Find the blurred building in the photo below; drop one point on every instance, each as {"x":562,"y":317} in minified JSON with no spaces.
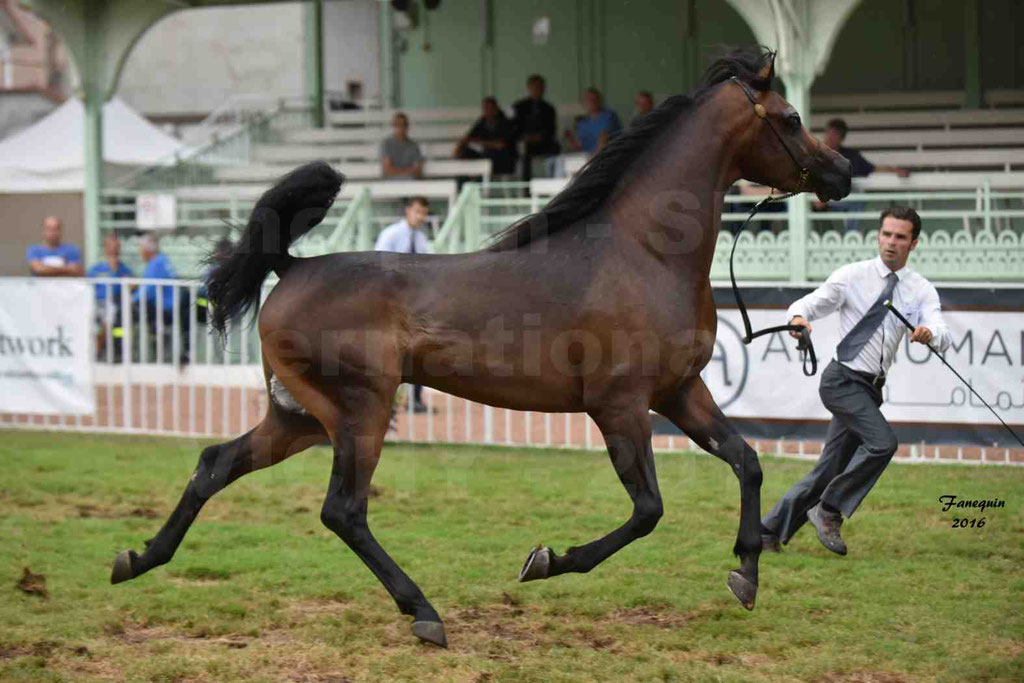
{"x":33,"y":69}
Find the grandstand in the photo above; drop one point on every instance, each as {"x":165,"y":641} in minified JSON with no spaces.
{"x":967,"y":177}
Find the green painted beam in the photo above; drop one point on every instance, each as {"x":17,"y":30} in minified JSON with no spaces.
{"x":314,"y":15}
{"x":972,"y":54}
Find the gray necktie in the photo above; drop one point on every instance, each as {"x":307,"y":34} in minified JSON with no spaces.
{"x":412,"y":242}
{"x":856,"y":338}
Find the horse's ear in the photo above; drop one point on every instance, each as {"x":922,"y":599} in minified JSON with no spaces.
{"x":767,"y":72}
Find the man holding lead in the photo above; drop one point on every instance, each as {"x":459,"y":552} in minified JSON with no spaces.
{"x":860,"y":443}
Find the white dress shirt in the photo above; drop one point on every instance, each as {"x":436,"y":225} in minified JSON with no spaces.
{"x":399,"y":237}
{"x":854,"y":288}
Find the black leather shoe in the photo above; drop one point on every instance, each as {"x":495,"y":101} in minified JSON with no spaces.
{"x":770,"y":543}
{"x":827,"y":524}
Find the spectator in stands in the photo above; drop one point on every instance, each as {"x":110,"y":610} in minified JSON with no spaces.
{"x":643,"y":103}
{"x":491,"y":137}
{"x":835,"y":133}
{"x":53,"y":258}
{"x":535,"y":122}
{"x":400,"y":157}
{"x":407,"y":237}
{"x":108,"y":304}
{"x":158,"y":267}
{"x":596,"y":128}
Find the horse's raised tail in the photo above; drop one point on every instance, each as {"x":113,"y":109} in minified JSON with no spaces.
{"x":285,"y":212}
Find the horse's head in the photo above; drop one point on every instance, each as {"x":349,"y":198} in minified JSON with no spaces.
{"x":776,"y":150}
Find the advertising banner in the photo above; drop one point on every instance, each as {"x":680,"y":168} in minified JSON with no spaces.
{"x":46,"y":346}
{"x":764,"y":380}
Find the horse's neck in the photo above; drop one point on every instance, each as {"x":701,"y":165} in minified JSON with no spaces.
{"x":673,"y":208}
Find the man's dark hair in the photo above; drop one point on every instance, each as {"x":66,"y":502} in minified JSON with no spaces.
{"x":418,"y":199}
{"x":903,"y":213}
{"x":839,"y":125}
{"x":594,"y":91}
{"x":534,"y":77}
{"x":647,"y":94}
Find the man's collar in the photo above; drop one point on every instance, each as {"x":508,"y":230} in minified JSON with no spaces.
{"x":883,"y":270}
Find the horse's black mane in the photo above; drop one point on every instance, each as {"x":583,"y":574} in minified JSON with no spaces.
{"x":594,"y":184}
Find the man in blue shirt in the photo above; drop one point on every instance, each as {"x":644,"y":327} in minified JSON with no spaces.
{"x":110,"y":266}
{"x":158,"y":267}
{"x":596,"y":128}
{"x":52,"y":258}
{"x":107,"y":308}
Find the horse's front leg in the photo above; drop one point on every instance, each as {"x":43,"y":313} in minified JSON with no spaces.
{"x":627,"y":434}
{"x":695,"y":412}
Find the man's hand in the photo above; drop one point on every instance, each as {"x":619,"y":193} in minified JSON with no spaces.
{"x":921,"y":335}
{"x":798,"y":320}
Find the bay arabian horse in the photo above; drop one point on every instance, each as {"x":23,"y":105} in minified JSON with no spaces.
{"x":601,"y":303}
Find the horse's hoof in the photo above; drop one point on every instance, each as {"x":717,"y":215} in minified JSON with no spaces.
{"x":123,"y":564}
{"x":537,"y":565}
{"x":744,"y":589}
{"x":431,"y":632}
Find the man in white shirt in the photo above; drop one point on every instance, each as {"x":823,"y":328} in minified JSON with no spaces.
{"x":407,"y":237}
{"x":860,"y":443}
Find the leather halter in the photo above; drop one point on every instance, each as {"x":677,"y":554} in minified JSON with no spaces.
{"x":805,"y":346}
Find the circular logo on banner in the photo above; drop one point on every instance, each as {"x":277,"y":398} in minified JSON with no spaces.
{"x":726,"y":372}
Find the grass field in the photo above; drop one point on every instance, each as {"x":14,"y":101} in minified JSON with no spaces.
{"x":261,"y":591}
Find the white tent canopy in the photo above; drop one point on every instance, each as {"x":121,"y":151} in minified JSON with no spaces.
{"x":49,"y":156}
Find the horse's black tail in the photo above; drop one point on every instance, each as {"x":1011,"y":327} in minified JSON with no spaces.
{"x":285,"y":212}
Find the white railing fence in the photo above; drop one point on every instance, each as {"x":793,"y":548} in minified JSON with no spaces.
{"x":158,"y":370}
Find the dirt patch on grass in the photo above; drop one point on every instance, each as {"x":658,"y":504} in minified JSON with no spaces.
{"x":863,"y":677}
{"x":329,"y":604}
{"x":92,"y":511}
{"x":652,"y":616}
{"x":198,"y":576}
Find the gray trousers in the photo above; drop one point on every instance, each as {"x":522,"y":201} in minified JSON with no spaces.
{"x":859,"y":445}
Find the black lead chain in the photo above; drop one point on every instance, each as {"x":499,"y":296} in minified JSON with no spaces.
{"x":804,"y":345}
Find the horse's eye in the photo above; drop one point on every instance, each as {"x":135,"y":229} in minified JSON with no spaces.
{"x":793,"y":121}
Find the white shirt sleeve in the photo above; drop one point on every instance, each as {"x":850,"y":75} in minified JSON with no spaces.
{"x":386,"y":240}
{"x":931,"y":317}
{"x":422,"y":243}
{"x":824,"y":300}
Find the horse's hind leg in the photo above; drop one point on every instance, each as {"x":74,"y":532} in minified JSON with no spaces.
{"x":695,"y":412}
{"x":278,"y":436}
{"x":627,"y":434}
{"x":357,"y":436}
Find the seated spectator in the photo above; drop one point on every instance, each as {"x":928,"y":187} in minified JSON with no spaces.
{"x":145,"y":299}
{"x":108,"y":304}
{"x":535,"y":122}
{"x":643,"y":103}
{"x":596,"y":128}
{"x":52,"y":258}
{"x":110,"y":266}
{"x":835,"y":133}
{"x":491,"y":137}
{"x":158,"y":267}
{"x":400,"y":157}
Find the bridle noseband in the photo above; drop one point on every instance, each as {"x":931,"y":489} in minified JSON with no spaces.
{"x":804,"y":345}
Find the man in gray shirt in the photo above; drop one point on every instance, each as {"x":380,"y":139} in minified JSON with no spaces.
{"x":400,"y":157}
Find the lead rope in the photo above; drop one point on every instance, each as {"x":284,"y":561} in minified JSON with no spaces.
{"x":804,"y":345}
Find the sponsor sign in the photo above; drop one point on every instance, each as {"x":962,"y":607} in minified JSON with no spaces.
{"x":46,"y":346}
{"x":765,"y":380}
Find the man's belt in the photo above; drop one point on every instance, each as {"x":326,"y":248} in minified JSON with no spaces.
{"x":877,"y":381}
